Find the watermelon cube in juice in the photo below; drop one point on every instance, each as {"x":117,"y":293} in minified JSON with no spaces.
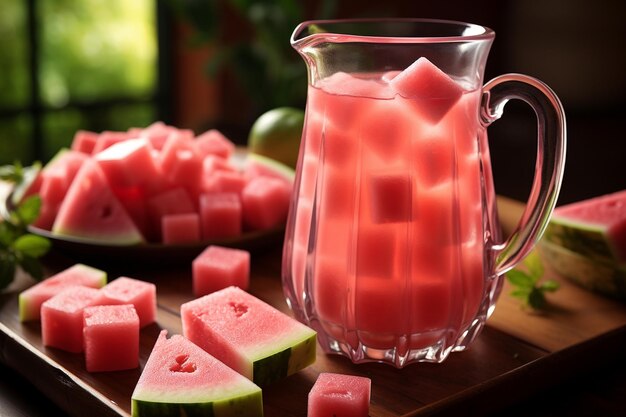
{"x":125,"y":290}
{"x":219,"y":267}
{"x":250,"y":336}
{"x":111,"y":334}
{"x":31,"y":299}
{"x":62,"y":318}
{"x":339,"y":395}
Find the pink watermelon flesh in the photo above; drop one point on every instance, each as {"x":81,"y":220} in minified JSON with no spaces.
{"x":220,"y":215}
{"x":180,"y":228}
{"x":339,"y":395}
{"x":218,"y":267}
{"x":141,"y":294}
{"x":62,"y":318}
{"x":111,"y":335}
{"x":84,"y":141}
{"x":30,"y":300}
{"x":607,"y":212}
{"x":179,"y":378}
{"x":174,"y":201}
{"x":265,"y":202}
{"x":213,"y":142}
{"x":129,"y":163}
{"x":91,"y":211}
{"x":435,"y":91}
{"x":250,"y":336}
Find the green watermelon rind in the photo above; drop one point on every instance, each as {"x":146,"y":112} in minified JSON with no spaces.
{"x":586,"y":239}
{"x":24,"y":305}
{"x":596,"y":275}
{"x":250,"y":404}
{"x":281,"y":362}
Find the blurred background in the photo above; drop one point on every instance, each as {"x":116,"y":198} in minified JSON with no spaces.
{"x":111,"y":65}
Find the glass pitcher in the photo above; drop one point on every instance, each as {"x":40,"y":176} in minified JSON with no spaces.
{"x":393,"y":250}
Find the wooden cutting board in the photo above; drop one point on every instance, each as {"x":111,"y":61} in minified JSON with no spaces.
{"x":517,"y":347}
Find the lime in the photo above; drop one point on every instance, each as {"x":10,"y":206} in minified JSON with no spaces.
{"x":276,"y":134}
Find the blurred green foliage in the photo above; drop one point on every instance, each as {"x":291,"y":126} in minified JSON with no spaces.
{"x":89,"y":51}
{"x":259,"y":52}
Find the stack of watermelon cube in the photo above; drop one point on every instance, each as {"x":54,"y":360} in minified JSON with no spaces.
{"x":149,"y":184}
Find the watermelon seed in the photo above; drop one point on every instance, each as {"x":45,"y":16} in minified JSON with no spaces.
{"x":239,"y":308}
{"x":106,"y":212}
{"x":182,"y":365}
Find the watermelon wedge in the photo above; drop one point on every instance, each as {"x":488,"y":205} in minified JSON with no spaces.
{"x":594,"y":228}
{"x":250,"y":336}
{"x":180,"y":379}
{"x":91,"y":211}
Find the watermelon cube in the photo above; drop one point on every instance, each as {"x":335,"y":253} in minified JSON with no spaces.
{"x":111,"y":335}
{"x":157,"y":133}
{"x":141,"y":294}
{"x":108,"y":138}
{"x":218,"y":267}
{"x":339,"y":395}
{"x":31,"y":299}
{"x":265,"y":202}
{"x":432,"y":89}
{"x":174,"y":201}
{"x":226,"y":181}
{"x":181,"y":164}
{"x":213,"y":142}
{"x":180,"y":379}
{"x":220,"y":215}
{"x":250,"y":336}
{"x":62,"y":317}
{"x":84,"y":141}
{"x":129,"y":163}
{"x":180,"y":228}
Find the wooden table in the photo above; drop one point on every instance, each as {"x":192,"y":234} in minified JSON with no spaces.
{"x":519,"y":354}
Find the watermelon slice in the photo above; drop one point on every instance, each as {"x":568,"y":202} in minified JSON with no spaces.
{"x":248,"y":335}
{"x":180,"y":379}
{"x":90,"y":210}
{"x":596,"y":275}
{"x":31,"y":299}
{"x":595,"y":228}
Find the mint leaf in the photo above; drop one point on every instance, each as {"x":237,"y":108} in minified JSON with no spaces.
{"x":534,"y":265}
{"x":520,"y":279}
{"x":7,"y":269}
{"x":536,"y":299}
{"x":32,"y":267}
{"x":527,"y":287}
{"x":32,"y":245}
{"x":28,"y":210}
{"x":549,"y":286}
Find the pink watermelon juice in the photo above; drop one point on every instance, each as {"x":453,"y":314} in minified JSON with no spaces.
{"x":390,"y":199}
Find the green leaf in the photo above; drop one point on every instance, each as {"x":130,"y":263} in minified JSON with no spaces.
{"x":534,"y":265}
{"x":32,"y":267}
{"x":32,"y":245}
{"x":7,"y":269}
{"x":520,"y":279}
{"x":8,"y":233}
{"x":549,"y":285}
{"x":28,"y":210}
{"x":12,"y":173}
{"x":536,"y":299}
{"x":521,"y":293}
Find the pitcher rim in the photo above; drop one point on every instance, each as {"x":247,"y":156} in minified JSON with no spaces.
{"x":485,"y":33}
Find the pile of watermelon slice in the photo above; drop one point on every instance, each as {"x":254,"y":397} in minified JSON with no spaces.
{"x":123,"y":188}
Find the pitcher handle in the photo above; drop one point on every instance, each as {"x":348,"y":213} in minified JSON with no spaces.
{"x":549,"y":166}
